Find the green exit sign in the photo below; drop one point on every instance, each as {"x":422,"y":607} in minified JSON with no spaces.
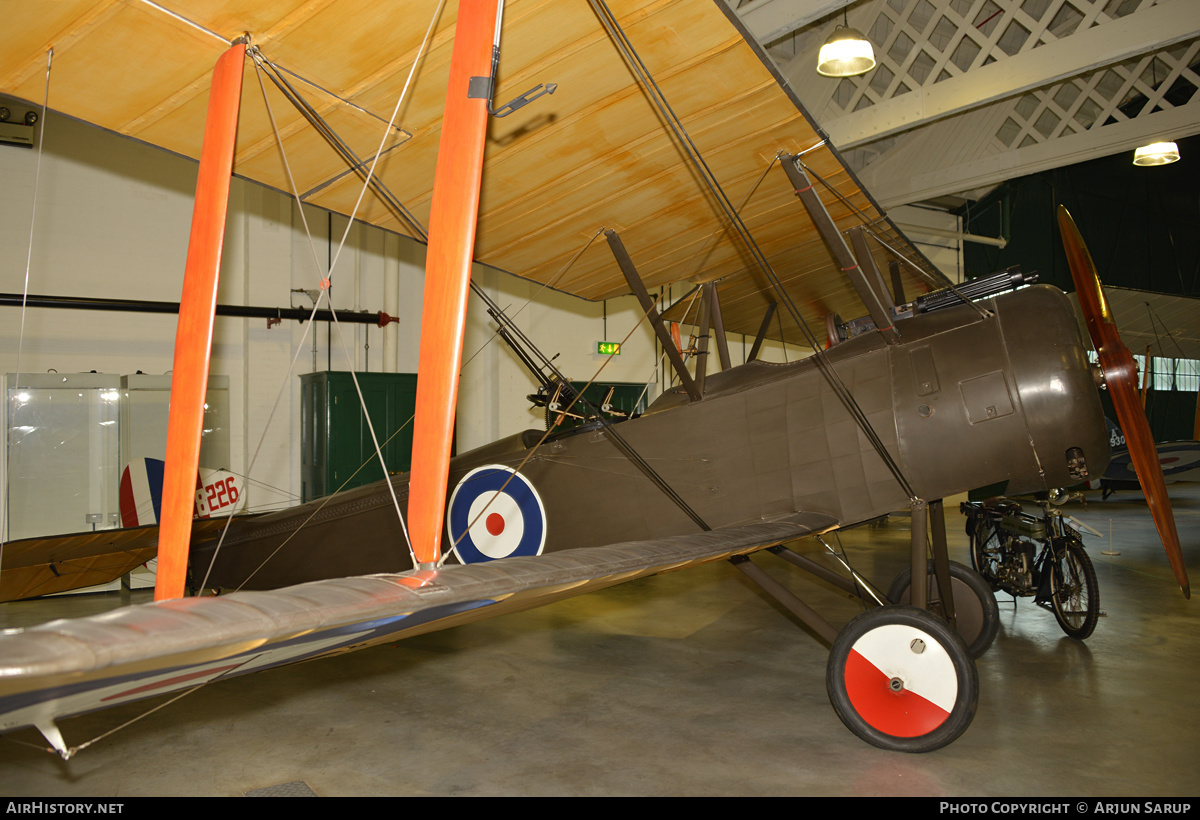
{"x":608,"y":348}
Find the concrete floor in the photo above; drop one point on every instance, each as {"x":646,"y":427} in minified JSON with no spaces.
{"x":691,"y":683}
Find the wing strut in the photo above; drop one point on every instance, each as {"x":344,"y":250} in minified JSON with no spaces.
{"x":718,"y":324}
{"x":762,"y":331}
{"x":824,"y":224}
{"x":644,"y":299}
{"x":193,"y":334}
{"x":452,"y":221}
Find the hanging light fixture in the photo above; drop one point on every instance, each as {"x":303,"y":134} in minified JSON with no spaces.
{"x":1159,"y":153}
{"x":847,"y":53}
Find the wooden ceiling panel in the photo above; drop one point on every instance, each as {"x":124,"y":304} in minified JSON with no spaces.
{"x":594,"y":154}
{"x":32,"y":28}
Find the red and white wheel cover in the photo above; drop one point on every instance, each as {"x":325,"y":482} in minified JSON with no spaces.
{"x":930,"y":682}
{"x":495,"y":512}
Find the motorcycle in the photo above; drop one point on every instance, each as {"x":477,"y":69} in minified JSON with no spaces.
{"x":1005,"y":543}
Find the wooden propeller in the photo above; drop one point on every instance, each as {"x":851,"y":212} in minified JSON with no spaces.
{"x":1120,"y":375}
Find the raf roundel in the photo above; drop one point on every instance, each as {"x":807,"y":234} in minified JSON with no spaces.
{"x":495,"y":512}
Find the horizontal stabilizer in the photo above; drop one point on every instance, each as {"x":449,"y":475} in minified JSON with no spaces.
{"x":61,"y":563}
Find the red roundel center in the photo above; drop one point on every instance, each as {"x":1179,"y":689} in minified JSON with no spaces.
{"x":495,"y":523}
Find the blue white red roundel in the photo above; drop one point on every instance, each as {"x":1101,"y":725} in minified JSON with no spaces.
{"x":495,"y":512}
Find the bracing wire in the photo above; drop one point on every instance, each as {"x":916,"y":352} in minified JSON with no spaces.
{"x":609,"y":428}
{"x":676,"y":127}
{"x":324,"y":291}
{"x":307,"y":326}
{"x":935,"y":279}
{"x":37,"y":178}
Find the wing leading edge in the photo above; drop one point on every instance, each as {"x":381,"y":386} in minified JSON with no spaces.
{"x":70,"y":667}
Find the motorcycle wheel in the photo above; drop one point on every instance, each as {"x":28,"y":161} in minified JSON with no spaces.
{"x":1075,"y":593}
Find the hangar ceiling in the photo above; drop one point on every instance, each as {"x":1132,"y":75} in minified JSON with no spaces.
{"x":969,"y":93}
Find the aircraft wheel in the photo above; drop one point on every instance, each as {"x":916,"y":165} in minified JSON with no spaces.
{"x":901,"y":679}
{"x":977,"y":615}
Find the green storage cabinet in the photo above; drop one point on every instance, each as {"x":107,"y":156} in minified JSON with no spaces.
{"x":334,"y":435}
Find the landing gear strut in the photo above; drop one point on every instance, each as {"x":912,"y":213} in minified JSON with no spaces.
{"x":901,"y":676}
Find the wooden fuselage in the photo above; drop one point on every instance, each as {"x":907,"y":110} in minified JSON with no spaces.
{"x":963,"y":401}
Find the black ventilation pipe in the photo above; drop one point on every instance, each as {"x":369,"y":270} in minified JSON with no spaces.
{"x":134,"y":306}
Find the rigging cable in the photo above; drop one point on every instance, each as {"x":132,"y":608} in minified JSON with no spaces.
{"x":37,"y":178}
{"x":324,"y":292}
{"x":304,"y":336}
{"x":617,"y":439}
{"x":341,"y":147}
{"x":676,"y":127}
{"x":938,"y":281}
{"x":548,"y":283}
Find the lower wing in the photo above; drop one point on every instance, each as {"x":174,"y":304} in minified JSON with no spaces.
{"x":69,"y":667}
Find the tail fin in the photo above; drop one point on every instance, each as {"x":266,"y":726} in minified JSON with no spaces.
{"x":218,"y":492}
{"x":141,"y":492}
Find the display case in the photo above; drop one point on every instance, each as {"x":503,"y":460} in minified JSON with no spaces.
{"x":63,"y":455}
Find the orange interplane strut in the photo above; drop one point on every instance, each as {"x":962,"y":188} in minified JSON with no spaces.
{"x":452,"y":219}
{"x":193,"y":335}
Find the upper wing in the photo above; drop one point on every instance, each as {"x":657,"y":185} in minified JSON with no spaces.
{"x":67,"y":667}
{"x":596,"y":154}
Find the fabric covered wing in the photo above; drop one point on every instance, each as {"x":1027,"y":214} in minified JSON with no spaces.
{"x":593,"y":155}
{"x":61,"y":563}
{"x":68,"y":667}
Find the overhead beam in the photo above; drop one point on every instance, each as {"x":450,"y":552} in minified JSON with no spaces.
{"x":896,"y":180}
{"x":960,"y":236}
{"x":771,"y":20}
{"x":1147,"y":30}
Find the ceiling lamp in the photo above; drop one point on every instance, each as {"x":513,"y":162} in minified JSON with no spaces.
{"x":1160,"y":153}
{"x":847,"y":53}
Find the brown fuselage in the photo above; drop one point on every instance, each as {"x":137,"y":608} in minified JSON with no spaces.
{"x":968,"y":398}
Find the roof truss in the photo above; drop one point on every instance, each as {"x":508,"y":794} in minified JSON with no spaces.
{"x":996,"y":88}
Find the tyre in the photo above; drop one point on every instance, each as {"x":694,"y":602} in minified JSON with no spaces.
{"x":977,"y":615}
{"x":1074,"y":592}
{"x":901,"y":679}
{"x":986,"y":552}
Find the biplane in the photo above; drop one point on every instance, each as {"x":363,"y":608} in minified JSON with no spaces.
{"x":643,"y":122}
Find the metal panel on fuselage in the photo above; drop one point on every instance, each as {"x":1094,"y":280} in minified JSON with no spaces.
{"x":1014,"y":392}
